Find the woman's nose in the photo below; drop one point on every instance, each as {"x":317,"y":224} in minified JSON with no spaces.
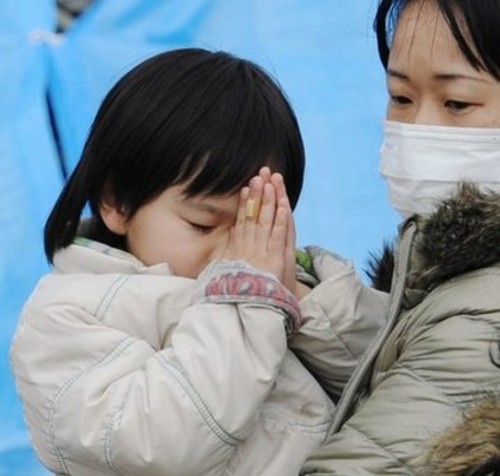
{"x":427,"y":113}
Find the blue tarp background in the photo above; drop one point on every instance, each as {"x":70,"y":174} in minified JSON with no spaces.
{"x":323,"y":53}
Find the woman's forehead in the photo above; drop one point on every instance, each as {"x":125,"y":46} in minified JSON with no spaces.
{"x":423,"y":35}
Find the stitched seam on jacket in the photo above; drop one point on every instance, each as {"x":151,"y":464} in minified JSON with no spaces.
{"x":178,"y":375}
{"x":335,"y":334}
{"x":265,"y":302}
{"x":303,"y":427}
{"x":427,"y":382}
{"x":103,"y":306}
{"x":480,"y":317}
{"x":107,"y":439}
{"x":404,"y":465}
{"x":472,"y":391}
{"x":348,"y":351}
{"x":124,"y":344}
{"x":373,"y":350}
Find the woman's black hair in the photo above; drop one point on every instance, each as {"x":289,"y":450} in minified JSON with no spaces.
{"x":478,"y":20}
{"x":206,"y":119}
{"x":490,"y":468}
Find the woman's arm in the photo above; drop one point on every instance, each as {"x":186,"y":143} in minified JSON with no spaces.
{"x":422,"y":382}
{"x":340,"y":317}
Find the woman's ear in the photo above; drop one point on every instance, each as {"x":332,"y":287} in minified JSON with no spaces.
{"x":114,"y":217}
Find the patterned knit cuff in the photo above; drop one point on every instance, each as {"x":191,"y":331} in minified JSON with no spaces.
{"x":237,"y":282}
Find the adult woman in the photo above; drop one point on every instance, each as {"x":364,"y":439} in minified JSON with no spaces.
{"x":439,"y":351}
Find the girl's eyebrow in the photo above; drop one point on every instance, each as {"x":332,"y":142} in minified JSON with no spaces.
{"x":204,"y":205}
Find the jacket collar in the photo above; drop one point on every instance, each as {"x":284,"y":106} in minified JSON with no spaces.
{"x":88,"y":256}
{"x":463,"y":234}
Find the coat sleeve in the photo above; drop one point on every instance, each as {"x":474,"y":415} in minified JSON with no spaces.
{"x":99,"y":400}
{"x":423,"y":380}
{"x":340,"y":318}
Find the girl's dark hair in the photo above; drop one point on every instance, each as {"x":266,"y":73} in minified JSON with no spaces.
{"x":478,"y":20}
{"x":189,"y":116}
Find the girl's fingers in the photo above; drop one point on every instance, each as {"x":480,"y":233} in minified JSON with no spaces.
{"x":265,"y":173}
{"x":277,"y":240}
{"x":263,"y":234}
{"x":266,"y":216}
{"x":254,"y":198}
{"x":289,"y":274}
{"x":291,"y":236}
{"x":279,"y":184}
{"x":238,"y":228}
{"x":242,"y":206}
{"x":282,"y":197}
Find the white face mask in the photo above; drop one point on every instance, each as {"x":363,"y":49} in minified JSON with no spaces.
{"x":423,"y":164}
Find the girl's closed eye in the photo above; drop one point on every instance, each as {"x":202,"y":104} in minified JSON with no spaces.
{"x":200,"y":228}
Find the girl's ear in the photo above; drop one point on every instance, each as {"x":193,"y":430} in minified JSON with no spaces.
{"x":113,"y":217}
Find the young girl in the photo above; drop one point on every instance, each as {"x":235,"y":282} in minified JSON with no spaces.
{"x":158,"y":345}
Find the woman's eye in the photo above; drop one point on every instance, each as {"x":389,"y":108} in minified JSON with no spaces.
{"x":457,"y":106}
{"x":204,"y":229}
{"x":400,"y":100}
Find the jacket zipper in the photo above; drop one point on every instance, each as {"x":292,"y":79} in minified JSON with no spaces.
{"x":396,"y":298}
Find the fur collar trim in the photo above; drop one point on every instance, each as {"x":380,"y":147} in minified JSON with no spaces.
{"x":470,"y":448}
{"x":463,"y":234}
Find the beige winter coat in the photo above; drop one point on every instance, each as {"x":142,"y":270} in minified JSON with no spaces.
{"x":128,"y":370}
{"x":439,"y":353}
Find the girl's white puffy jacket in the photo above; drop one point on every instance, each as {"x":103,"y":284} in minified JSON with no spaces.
{"x":125,"y":369}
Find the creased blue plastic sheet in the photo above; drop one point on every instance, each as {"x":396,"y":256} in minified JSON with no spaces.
{"x":29,"y":180}
{"x":322,"y":52}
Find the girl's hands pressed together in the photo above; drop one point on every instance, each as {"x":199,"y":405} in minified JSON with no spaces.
{"x":289,"y":270}
{"x":264,"y":227}
{"x":300,"y":290}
